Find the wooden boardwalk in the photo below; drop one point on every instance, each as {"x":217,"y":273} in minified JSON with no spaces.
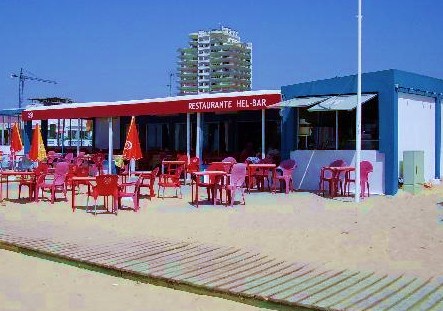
{"x":237,"y":274}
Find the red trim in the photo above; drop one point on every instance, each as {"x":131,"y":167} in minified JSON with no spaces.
{"x":218,"y":104}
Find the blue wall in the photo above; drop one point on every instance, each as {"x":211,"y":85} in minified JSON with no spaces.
{"x":386,"y":84}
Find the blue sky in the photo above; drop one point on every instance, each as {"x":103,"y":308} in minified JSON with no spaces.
{"x":120,"y":50}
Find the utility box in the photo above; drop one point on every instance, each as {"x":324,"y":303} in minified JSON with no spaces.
{"x":413,"y":171}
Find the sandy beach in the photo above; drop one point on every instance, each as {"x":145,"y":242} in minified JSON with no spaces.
{"x":383,"y":234}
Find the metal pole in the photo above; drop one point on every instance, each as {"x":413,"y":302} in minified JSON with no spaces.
{"x":263,"y":152}
{"x":188,"y":135}
{"x":336,"y":129}
{"x":21,"y":84}
{"x":78,"y":136}
{"x":358,"y":117}
{"x":3,"y":130}
{"x":111,"y":148}
{"x":63,"y":135}
{"x":197,"y":140}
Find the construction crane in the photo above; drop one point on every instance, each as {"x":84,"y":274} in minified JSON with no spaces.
{"x":21,"y":84}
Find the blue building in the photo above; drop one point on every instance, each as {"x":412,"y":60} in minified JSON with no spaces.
{"x":400,"y":111}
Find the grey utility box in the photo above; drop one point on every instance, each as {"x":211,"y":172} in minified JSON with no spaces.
{"x":413,"y":171}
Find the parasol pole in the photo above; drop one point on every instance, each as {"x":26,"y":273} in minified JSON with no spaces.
{"x":358,"y":113}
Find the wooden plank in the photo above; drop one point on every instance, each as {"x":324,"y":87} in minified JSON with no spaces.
{"x":224,"y":272}
{"x":142,"y":264}
{"x":105,"y":250}
{"x":41,"y":244}
{"x":273,"y":285}
{"x":400,"y":295}
{"x":214,"y":269}
{"x":159,"y":265}
{"x":184,"y":261}
{"x":192,"y":263}
{"x":123,"y":252}
{"x":306,"y":284}
{"x":249,"y":284}
{"x":347,"y":292}
{"x":249,"y":274}
{"x":303,"y":294}
{"x":430,"y":301}
{"x":412,"y":302}
{"x":314,"y":298}
{"x":226,"y":261}
{"x":240,"y":273}
{"x":201,"y":263}
{"x":96,"y":249}
{"x":295,"y":280}
{"x":142,"y":252}
{"x":367,"y":292}
{"x":375,"y":298}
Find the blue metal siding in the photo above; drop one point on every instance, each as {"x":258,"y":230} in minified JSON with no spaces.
{"x":384,"y":84}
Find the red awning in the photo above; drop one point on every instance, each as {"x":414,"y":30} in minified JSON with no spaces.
{"x":222,"y":102}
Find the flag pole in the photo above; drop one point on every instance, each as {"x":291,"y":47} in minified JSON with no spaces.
{"x":358,"y":116}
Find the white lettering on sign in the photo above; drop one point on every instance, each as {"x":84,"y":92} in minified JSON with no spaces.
{"x":243,"y":103}
{"x":223,"y":104}
{"x":254,"y":102}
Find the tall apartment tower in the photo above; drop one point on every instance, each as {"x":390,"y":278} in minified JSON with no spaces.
{"x":215,"y":61}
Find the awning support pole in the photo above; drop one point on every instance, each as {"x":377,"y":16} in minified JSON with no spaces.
{"x":63,"y":136}
{"x":188,"y":139}
{"x":197,"y":140}
{"x":358,"y":116}
{"x":78,"y":136}
{"x":188,"y":135}
{"x":263,"y":152}
{"x":110,"y":143}
{"x":336,"y":129}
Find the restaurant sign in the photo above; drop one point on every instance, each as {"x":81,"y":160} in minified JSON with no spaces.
{"x":180,"y":104}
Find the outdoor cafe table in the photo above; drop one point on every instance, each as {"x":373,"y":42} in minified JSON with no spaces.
{"x":336,"y":172}
{"x":4,"y":177}
{"x":261,"y":167}
{"x":75,"y":180}
{"x":198,"y":175}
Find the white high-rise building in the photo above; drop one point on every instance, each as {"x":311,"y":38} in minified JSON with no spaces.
{"x":215,"y":61}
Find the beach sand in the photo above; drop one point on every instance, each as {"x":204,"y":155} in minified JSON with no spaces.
{"x":383,"y":234}
{"x":34,"y":284}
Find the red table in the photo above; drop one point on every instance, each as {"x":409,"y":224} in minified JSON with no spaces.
{"x":261,"y":167}
{"x":6,"y":174}
{"x":336,"y":172}
{"x":197,"y":182}
{"x":75,"y":181}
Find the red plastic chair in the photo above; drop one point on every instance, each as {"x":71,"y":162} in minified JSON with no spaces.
{"x":42,"y":168}
{"x":82,"y":171}
{"x":80,"y":159}
{"x":170,"y":181}
{"x":58,"y":183}
{"x":51,"y":158}
{"x":194,"y":165}
{"x":148,"y":181}
{"x":328,"y":176}
{"x":213,"y":183}
{"x":365,"y":168}
{"x":287,"y":167}
{"x":134,"y":195}
{"x":236,"y":182}
{"x":124,"y":173}
{"x":106,"y":186}
{"x":98,"y":159}
{"x":69,"y":157}
{"x":184,"y":157}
